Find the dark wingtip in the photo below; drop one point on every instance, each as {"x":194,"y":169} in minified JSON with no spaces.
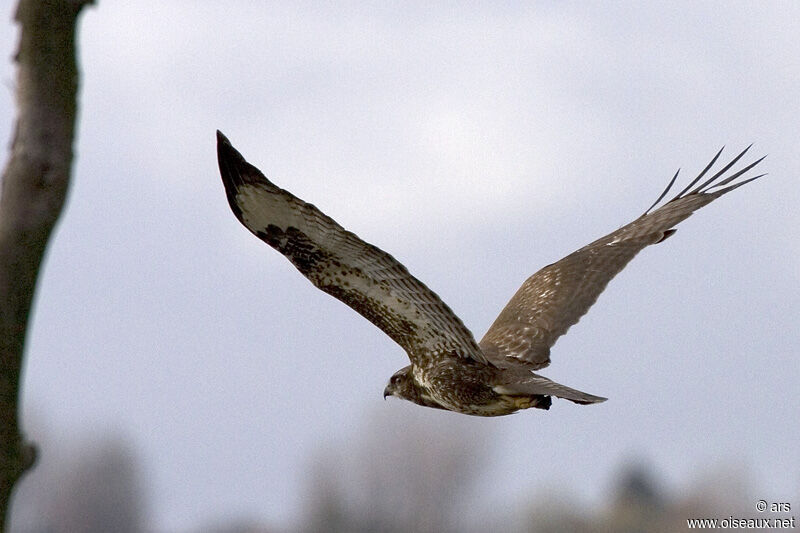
{"x":226,"y":152}
{"x":663,"y":194}
{"x":700,"y":176}
{"x":231,"y":165}
{"x":235,"y":170}
{"x":711,"y":183}
{"x":222,"y":141}
{"x":737,"y":185}
{"x":702,"y":188}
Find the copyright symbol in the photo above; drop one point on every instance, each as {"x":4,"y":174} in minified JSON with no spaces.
{"x":761,"y":505}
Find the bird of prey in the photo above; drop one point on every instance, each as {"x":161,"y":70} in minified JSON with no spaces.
{"x":449,"y":369}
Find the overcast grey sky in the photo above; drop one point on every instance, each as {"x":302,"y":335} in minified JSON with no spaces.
{"x":476,"y":142}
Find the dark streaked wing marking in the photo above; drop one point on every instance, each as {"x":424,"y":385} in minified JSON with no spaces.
{"x":558,"y":295}
{"x":335,"y":260}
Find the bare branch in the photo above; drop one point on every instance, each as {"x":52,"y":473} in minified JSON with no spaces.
{"x":34,"y":187}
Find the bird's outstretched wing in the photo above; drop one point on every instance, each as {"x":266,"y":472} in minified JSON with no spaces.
{"x":367,"y":279}
{"x":557,"y":296}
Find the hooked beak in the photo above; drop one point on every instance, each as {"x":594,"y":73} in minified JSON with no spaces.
{"x":386,"y":392}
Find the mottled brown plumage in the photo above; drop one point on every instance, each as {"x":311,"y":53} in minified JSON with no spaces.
{"x":448,"y":369}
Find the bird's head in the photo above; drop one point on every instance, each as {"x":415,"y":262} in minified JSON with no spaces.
{"x":402,"y":385}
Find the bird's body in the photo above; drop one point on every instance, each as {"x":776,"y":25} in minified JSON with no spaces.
{"x":449,"y":369}
{"x":477,"y":389}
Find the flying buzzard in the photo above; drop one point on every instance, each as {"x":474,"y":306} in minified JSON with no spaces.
{"x":448,"y":369}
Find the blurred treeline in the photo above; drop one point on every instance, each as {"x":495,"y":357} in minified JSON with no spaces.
{"x":424,"y":477}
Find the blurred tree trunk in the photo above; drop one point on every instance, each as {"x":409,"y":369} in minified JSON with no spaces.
{"x":34,"y":187}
